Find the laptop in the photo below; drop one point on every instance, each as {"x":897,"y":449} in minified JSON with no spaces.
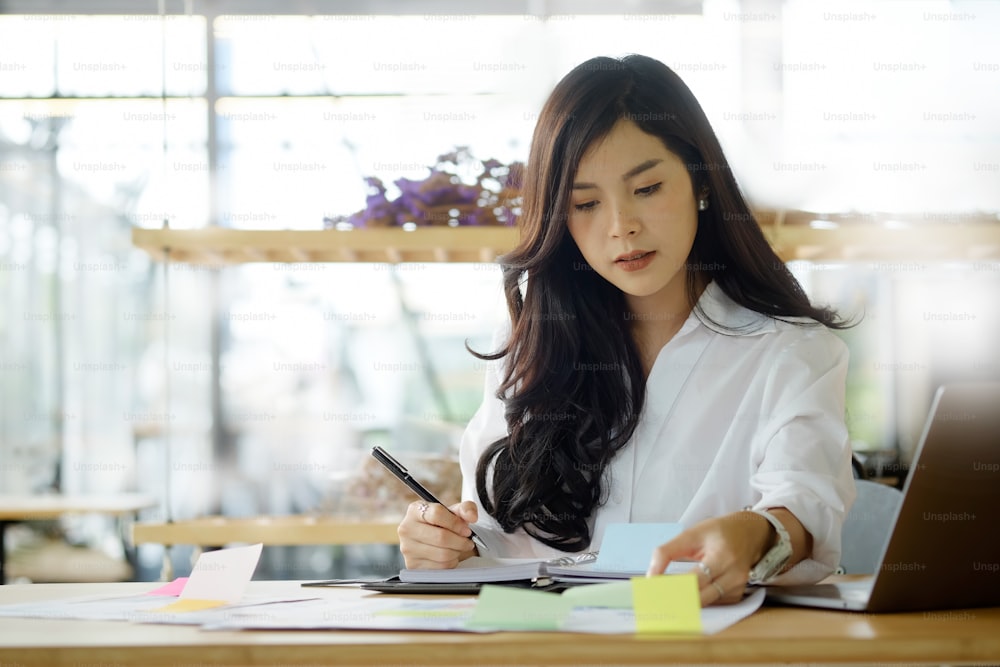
{"x":944,"y":548}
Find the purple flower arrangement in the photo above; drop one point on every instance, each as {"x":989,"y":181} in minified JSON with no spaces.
{"x":487,"y":195}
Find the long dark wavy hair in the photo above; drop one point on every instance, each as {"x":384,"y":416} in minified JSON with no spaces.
{"x":573,"y":385}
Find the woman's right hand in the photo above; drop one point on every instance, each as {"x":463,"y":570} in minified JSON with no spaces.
{"x":432,"y":538}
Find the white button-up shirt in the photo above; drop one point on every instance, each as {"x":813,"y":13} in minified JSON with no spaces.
{"x":749,"y":413}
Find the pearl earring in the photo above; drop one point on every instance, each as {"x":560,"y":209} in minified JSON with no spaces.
{"x":702,"y":204}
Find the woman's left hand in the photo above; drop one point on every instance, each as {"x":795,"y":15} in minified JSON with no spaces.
{"x":725,"y":549}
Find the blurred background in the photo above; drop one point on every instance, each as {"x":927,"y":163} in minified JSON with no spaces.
{"x":257,"y":389}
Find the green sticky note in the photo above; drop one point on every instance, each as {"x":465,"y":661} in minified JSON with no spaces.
{"x":667,"y":603}
{"x":613,"y":595}
{"x":505,"y":608}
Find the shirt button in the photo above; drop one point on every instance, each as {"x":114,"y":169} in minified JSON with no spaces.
{"x":617,"y":497}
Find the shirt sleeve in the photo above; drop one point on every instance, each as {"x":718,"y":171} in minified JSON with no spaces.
{"x":487,"y":426}
{"x":803,"y":454}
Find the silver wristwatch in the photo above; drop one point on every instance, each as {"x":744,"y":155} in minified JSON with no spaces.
{"x":774,"y":561}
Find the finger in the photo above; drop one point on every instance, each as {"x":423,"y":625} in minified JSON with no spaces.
{"x":726,"y":589}
{"x":424,"y":564}
{"x":728,"y":580}
{"x":419,"y":528}
{"x":719,"y":577}
{"x":713,"y":593}
{"x":420,"y":556}
{"x":433,"y":559}
{"x":425,"y":546}
{"x":439,"y":515}
{"x":467,"y":510}
{"x":686,"y":546}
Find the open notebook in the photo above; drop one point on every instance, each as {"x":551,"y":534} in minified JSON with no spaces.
{"x":581,"y":568}
{"x":625,"y":552}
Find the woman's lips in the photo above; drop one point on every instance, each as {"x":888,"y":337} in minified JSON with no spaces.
{"x":634,"y":261}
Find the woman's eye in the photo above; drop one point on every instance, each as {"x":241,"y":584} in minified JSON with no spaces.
{"x":648,"y":190}
{"x":586,"y":206}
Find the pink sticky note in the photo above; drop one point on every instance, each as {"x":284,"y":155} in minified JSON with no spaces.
{"x":173,"y":588}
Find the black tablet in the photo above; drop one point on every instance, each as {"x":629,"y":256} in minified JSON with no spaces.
{"x":397,"y":586}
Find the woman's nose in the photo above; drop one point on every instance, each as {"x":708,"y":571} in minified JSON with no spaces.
{"x":624,"y":222}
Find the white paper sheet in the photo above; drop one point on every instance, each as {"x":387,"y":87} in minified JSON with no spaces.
{"x":413,"y":614}
{"x":134,"y":608}
{"x":223,"y":574}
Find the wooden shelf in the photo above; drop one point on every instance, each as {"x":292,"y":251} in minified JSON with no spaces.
{"x":293,"y":530}
{"x":794,"y":236}
{"x":53,"y":506}
{"x":883,"y":237}
{"x":216,"y":246}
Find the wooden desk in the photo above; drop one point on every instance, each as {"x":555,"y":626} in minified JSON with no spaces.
{"x":280,"y":530}
{"x":772,"y":635}
{"x":14,"y":508}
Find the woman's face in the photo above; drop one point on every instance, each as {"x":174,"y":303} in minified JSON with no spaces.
{"x":633,"y":215}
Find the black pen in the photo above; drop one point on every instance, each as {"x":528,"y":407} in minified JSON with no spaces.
{"x":397,"y":469}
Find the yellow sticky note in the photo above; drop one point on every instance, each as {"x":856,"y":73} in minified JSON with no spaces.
{"x":189,"y":604}
{"x":667,"y":603}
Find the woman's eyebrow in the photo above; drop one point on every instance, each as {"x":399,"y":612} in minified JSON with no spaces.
{"x":631,"y":173}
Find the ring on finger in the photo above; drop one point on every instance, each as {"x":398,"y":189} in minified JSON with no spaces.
{"x":706,"y":569}
{"x":423,"y":507}
{"x":722,"y":591}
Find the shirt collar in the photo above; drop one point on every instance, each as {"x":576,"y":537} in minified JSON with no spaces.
{"x":723,"y":315}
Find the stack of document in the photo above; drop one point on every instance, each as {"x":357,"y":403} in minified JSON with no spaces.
{"x":214,"y":597}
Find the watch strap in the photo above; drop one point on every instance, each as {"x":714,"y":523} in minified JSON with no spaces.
{"x":771,"y":564}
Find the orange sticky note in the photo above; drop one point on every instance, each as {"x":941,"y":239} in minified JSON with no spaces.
{"x":190,"y":604}
{"x":667,"y":603}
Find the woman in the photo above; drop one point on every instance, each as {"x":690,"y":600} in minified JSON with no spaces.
{"x":661,"y":364}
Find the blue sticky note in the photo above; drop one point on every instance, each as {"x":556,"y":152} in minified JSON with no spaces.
{"x":628,"y":547}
